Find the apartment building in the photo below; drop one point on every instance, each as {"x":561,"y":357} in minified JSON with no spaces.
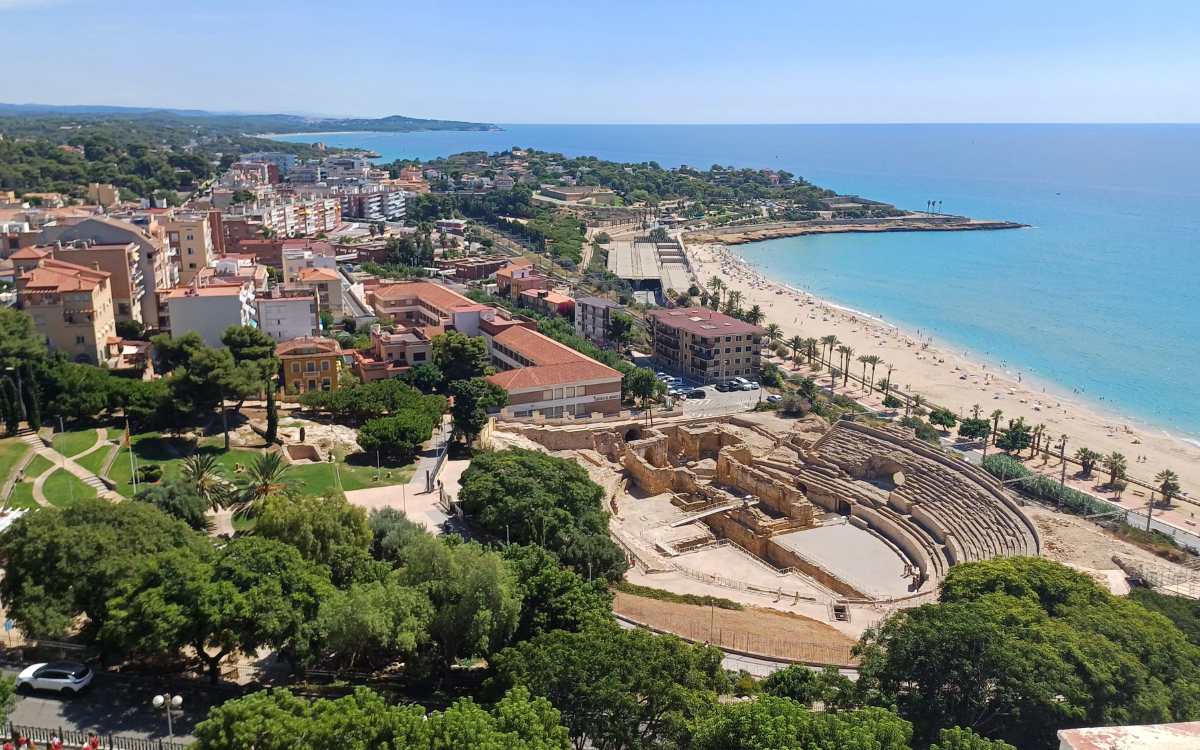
{"x":511,"y":281}
{"x":189,"y":235}
{"x":234,"y":270}
{"x":119,"y":261}
{"x":312,"y":255}
{"x":393,"y":350}
{"x":419,"y":303}
{"x":310,"y":364}
{"x":289,"y":216}
{"x":154,"y":254}
{"x":285,"y":162}
{"x":547,"y":302}
{"x":71,"y":305}
{"x":326,"y":284}
{"x":545,"y":377}
{"x":706,"y":345}
{"x":592,"y":315}
{"x":373,"y":202}
{"x":469,"y":269}
{"x":207,"y":311}
{"x":285,"y":313}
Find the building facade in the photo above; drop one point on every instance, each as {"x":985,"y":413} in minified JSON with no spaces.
{"x":545,"y":377}
{"x":706,"y":345}
{"x":416,"y":303}
{"x":189,"y":236}
{"x":592,"y":315}
{"x":394,"y":350}
{"x":208,"y":311}
{"x":285,"y":314}
{"x":310,"y":364}
{"x":71,"y":306}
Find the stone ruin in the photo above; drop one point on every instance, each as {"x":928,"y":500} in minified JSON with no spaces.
{"x":932,"y":510}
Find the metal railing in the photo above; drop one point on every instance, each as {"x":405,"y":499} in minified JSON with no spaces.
{"x":73,"y":739}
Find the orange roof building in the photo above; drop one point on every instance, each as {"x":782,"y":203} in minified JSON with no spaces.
{"x":71,"y":305}
{"x":546,"y":378}
{"x":416,"y":303}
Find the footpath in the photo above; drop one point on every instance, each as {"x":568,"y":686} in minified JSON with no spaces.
{"x":60,"y":461}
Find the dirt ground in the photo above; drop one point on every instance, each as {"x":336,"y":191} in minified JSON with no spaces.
{"x":1072,"y":540}
{"x":696,"y":622}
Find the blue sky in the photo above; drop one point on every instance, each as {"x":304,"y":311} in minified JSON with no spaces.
{"x":616,"y":61}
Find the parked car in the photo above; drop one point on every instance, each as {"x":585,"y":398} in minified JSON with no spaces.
{"x":697,"y":393}
{"x":751,"y":386}
{"x":724,"y":387}
{"x":64,"y":677}
{"x":774,"y":398}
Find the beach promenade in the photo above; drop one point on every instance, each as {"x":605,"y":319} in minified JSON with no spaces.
{"x":958,"y":382}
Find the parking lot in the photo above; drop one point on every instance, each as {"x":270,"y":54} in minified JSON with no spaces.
{"x":716,"y":403}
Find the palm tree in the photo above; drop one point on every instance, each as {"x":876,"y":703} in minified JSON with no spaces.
{"x":829,"y":341}
{"x":1168,"y":486}
{"x":887,"y":387}
{"x":811,"y":348}
{"x":266,"y":477}
{"x":1115,"y":464}
{"x":795,"y":343}
{"x":873,"y":360}
{"x":1087,"y":459}
{"x":1037,"y":439}
{"x":865,"y":360}
{"x":995,"y":423}
{"x":915,"y":401}
{"x":754,"y":315}
{"x":733,"y":300}
{"x":774,"y":331}
{"x":207,"y":477}
{"x":847,"y":353}
{"x":1062,"y":457}
{"x":975,"y":411}
{"x":716,"y":285}
{"x":939,"y":207}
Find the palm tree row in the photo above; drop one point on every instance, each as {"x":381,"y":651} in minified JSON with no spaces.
{"x":265,"y":477}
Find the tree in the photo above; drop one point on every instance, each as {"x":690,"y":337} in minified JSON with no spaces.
{"x":176,"y":352}
{"x":70,"y":390}
{"x":315,"y":526}
{"x":249,"y":344}
{"x":376,"y":622}
{"x":472,"y":399}
{"x":645,"y":386}
{"x":754,"y":315}
{"x":177,"y":499}
{"x":943,"y":418}
{"x":553,"y":597}
{"x":1087,"y":459}
{"x":398,"y":436}
{"x":1168,"y":485}
{"x":272,"y":432}
{"x":32,"y":402}
{"x":476,"y":601}
{"x":1115,"y":464}
{"x":531,"y":497}
{"x":996,"y":415}
{"x":248,"y":594}
{"x":771,"y":722}
{"x":619,"y":329}
{"x":1016,"y":437}
{"x":973,"y":428}
{"x":965,"y":739}
{"x":460,"y":357}
{"x":425,"y":378}
{"x":774,"y":331}
{"x":12,"y":407}
{"x":265,"y":477}
{"x":20,"y":343}
{"x":206,"y":478}
{"x":63,"y":565}
{"x":716,"y":285}
{"x":617,"y":689}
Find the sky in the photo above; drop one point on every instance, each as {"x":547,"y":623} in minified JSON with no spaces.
{"x":615,"y":61}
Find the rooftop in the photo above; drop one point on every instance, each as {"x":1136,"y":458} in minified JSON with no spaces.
{"x":318,"y":274}
{"x":61,"y":276}
{"x":439,"y":296}
{"x":544,"y":375}
{"x":207,"y":291}
{"x":598,"y":302}
{"x":1185,"y":736}
{"x":703,"y":321}
{"x":307,"y":346}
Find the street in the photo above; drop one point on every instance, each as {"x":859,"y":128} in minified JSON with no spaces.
{"x":116,"y":704}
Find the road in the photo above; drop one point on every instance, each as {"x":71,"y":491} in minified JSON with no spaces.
{"x":115,"y":704}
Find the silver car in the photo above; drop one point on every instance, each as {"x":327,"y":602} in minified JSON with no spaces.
{"x":63,"y":677}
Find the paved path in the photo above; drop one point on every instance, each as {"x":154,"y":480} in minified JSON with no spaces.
{"x":61,"y":462}
{"x":101,"y":442}
{"x":433,"y":449}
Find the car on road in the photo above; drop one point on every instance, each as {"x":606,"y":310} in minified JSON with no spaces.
{"x":774,"y":398}
{"x":697,"y":393}
{"x":64,"y":677}
{"x":724,"y":387}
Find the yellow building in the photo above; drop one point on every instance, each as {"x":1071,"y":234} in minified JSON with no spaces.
{"x":190,"y":236}
{"x":72,"y":306}
{"x":309,"y":364}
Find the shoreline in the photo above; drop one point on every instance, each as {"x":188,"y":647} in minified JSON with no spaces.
{"x":778,"y":230}
{"x":935,"y":370}
{"x":380,"y":132}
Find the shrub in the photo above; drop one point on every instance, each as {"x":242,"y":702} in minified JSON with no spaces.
{"x":149,"y":473}
{"x":892,"y":402}
{"x":397,"y":436}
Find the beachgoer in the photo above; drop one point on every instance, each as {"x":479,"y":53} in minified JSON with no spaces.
{"x":8,"y":745}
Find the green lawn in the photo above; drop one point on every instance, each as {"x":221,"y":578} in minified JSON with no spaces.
{"x":62,"y":487}
{"x":22,"y":496}
{"x":74,"y":442}
{"x":12,"y":450}
{"x":37,"y":467}
{"x":355,"y":473}
{"x":94,"y":461}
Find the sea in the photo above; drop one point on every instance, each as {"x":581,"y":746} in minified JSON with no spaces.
{"x":1098,"y":300}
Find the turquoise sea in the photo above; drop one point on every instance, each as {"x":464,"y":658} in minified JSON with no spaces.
{"x":1100,"y":296}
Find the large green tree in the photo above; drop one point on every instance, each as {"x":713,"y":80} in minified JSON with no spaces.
{"x":460,"y":357}
{"x":376,"y":623}
{"x":771,"y":722}
{"x":399,"y":435}
{"x":315,"y":526}
{"x":532,"y":497}
{"x":553,"y":597}
{"x":20,"y":343}
{"x":472,"y":399}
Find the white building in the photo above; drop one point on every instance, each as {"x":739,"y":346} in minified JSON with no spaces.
{"x":285,"y":162}
{"x":296,"y":260}
{"x":285,"y":314}
{"x":210,"y":310}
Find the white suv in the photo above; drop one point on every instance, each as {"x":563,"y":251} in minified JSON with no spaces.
{"x":64,"y":677}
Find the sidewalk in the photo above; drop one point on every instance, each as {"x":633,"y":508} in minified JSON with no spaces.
{"x":61,"y":462}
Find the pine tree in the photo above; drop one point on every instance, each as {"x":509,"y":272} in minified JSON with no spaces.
{"x":33,"y":398}
{"x":272,"y":412}
{"x":12,"y":410}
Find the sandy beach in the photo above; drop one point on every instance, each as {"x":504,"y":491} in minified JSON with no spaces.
{"x":929,"y":368}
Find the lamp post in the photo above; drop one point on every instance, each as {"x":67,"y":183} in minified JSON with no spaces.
{"x":168,"y":701}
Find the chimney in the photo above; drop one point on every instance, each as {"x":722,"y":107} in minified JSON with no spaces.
{"x":96,"y":265}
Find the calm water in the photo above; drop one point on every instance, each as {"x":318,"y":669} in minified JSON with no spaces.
{"x":1103,"y":294}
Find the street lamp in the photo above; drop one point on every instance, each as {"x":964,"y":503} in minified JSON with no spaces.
{"x":168,"y":701}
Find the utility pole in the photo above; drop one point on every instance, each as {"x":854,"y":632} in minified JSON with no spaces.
{"x":63,"y":442}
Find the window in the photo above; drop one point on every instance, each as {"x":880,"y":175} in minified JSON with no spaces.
{"x":80,"y":340}
{"x":728,"y":339}
{"x":190,"y":237}
{"x":738,"y":349}
{"x":191,"y":251}
{"x":558,"y":393}
{"x":570,"y":392}
{"x":310,"y":366}
{"x":739,"y":338}
{"x":325,"y":384}
{"x":727,"y":350}
{"x":547,"y":395}
{"x":191,"y":265}
{"x":737,"y":361}
{"x":581,"y":390}
{"x":726,"y":361}
{"x":418,"y":356}
{"x":295,"y":367}
{"x":325,"y":365}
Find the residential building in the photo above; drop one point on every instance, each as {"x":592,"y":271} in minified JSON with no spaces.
{"x":545,"y":377}
{"x":312,"y":255}
{"x":154,"y":254}
{"x":452,"y":226}
{"x":189,"y":235}
{"x":288,"y":216}
{"x":326,"y":284}
{"x":416,"y":303}
{"x":285,"y":313}
{"x":511,"y":281}
{"x":103,"y":195}
{"x":266,"y":252}
{"x":309,"y":364}
{"x":119,"y":261}
{"x":503,"y":182}
{"x":285,"y":162}
{"x":470,"y":268}
{"x":71,"y":306}
{"x":207,"y":311}
{"x":374,"y":203}
{"x":705,"y":345}
{"x":546,"y":301}
{"x":15,"y":235}
{"x":233,"y":270}
{"x":591,"y":318}
{"x":394,"y":349}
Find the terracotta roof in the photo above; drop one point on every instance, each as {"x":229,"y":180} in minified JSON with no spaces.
{"x":542,"y":350}
{"x":30,"y":253}
{"x":551,"y":298}
{"x":435,"y":294}
{"x":292,"y":347}
{"x":206,"y":291}
{"x":62,"y":276}
{"x":535,"y":377}
{"x":318,"y":274}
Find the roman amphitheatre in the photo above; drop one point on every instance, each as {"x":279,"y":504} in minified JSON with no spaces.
{"x":835,"y":526}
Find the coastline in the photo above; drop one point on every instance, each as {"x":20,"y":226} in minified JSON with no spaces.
{"x":935,"y":369}
{"x":776,"y":230}
{"x":383,"y":132}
